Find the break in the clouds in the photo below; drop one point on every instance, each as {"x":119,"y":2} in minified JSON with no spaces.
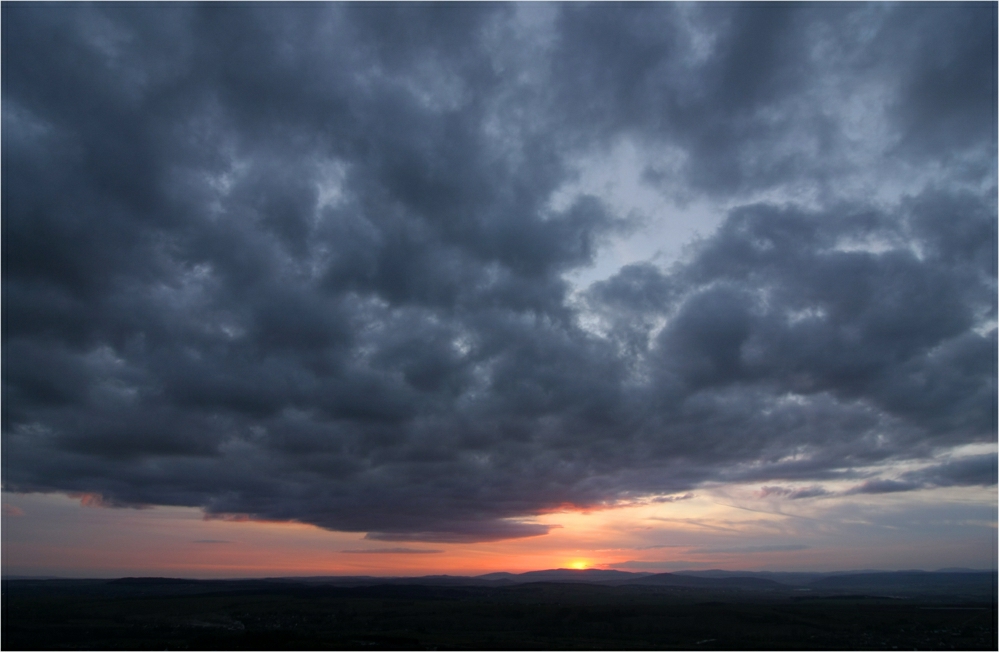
{"x":315,"y":262}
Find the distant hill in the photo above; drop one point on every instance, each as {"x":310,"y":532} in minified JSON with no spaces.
{"x":565,"y":575}
{"x":866,"y":582}
{"x":151,"y":581}
{"x":790,"y":579}
{"x":425,"y":580}
{"x":951,"y":581}
{"x":960,"y":569}
{"x":907,"y":581}
{"x":856,"y":578}
{"x":964,"y":581}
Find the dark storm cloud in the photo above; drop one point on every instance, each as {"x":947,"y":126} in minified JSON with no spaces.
{"x":948,"y":91}
{"x":303,"y":262}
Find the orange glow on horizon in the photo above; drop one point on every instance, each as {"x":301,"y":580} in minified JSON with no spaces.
{"x":81,"y":536}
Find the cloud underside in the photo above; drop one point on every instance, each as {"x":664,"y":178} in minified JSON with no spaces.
{"x":307,"y":263}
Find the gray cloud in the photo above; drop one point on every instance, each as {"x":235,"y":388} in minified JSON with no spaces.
{"x":751,"y":549}
{"x":393,"y":551}
{"x":672,"y":499}
{"x":975,"y":470}
{"x":303,"y":262}
{"x":469,"y":531}
{"x":882,"y":486}
{"x":793,"y":494}
{"x":962,"y":472}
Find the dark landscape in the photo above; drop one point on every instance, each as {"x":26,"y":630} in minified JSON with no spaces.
{"x":559,"y":609}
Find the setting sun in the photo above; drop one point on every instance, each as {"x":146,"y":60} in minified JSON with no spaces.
{"x":579,"y":564}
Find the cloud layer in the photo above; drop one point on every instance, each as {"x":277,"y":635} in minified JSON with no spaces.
{"x":305,"y":263}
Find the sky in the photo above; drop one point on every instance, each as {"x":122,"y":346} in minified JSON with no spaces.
{"x":410,"y":289}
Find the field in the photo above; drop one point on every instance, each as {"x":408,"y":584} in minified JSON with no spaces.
{"x":287,"y":614}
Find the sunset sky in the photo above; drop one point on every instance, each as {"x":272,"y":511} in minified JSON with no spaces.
{"x":409,"y":289}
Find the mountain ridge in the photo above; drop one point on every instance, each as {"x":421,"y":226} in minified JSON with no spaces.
{"x":711,"y":578}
